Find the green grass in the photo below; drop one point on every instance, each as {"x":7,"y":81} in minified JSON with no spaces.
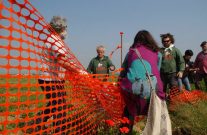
{"x":190,"y":117}
{"x":202,"y":86}
{"x":15,"y":94}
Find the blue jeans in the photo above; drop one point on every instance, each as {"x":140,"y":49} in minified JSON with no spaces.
{"x":184,"y":81}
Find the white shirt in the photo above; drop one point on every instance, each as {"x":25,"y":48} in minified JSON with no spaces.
{"x":50,"y":70}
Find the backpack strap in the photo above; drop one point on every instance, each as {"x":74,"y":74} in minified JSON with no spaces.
{"x":147,"y":73}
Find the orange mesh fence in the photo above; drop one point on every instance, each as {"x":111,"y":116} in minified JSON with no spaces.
{"x":37,"y":94}
{"x":184,"y":96}
{"x":178,"y":97}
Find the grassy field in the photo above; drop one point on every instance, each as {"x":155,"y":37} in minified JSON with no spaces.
{"x":26,"y":92}
{"x":190,"y":118}
{"x":19,"y":98}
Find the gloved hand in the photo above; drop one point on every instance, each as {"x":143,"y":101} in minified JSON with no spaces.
{"x":180,"y":74}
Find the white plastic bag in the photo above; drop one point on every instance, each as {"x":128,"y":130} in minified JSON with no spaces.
{"x":158,"y":120}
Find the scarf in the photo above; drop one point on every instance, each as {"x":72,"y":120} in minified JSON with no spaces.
{"x":169,"y":48}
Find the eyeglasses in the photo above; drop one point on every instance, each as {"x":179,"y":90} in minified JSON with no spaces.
{"x":166,"y":41}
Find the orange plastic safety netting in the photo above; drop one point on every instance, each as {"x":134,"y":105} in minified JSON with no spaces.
{"x":178,"y":98}
{"x":185,"y":96}
{"x":69,"y":101}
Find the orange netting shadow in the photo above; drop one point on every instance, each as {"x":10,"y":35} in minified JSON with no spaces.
{"x":67,"y":101}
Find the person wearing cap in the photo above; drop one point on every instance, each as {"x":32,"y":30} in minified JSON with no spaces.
{"x":173,"y":64}
{"x":188,"y":69}
{"x":201,"y":63}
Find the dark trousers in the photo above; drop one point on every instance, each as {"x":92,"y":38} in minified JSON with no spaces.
{"x":56,"y":107}
{"x":198,"y":79}
{"x":169,"y":79}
